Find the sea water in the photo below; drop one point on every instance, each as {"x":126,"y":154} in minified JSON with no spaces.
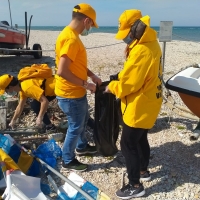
{"x":182,"y":33}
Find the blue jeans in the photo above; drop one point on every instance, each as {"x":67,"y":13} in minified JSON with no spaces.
{"x":77,"y":115}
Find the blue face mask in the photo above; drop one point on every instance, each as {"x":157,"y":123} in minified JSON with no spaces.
{"x":13,"y":93}
{"x":128,"y":39}
{"x":86,"y":32}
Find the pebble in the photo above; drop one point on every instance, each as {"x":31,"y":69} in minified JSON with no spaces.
{"x":173,"y":152}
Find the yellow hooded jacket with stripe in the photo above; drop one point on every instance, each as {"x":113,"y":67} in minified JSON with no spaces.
{"x":139,"y":86}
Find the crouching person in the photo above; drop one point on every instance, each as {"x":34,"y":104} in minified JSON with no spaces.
{"x":39,"y":89}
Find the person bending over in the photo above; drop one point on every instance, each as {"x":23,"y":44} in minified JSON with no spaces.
{"x":41,"y":92}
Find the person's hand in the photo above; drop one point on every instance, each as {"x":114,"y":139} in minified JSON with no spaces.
{"x":96,"y":79}
{"x":91,"y":87}
{"x":107,"y":90}
{"x":12,"y":124}
{"x":39,"y":122}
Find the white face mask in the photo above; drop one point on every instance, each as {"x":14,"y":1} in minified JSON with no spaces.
{"x":86,"y":32}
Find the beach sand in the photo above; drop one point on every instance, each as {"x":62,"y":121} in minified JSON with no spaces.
{"x":175,"y":159}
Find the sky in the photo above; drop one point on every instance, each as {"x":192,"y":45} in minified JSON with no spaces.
{"x":58,"y":12}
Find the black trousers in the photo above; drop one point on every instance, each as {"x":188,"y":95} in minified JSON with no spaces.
{"x":136,"y":150}
{"x":35,"y":105}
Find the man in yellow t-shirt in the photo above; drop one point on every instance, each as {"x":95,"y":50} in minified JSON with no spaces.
{"x":36,"y":88}
{"x":71,"y":84}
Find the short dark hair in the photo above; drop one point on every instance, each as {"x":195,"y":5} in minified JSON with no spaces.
{"x":14,"y":82}
{"x":77,"y":15}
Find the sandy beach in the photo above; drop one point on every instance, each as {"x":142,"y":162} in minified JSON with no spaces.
{"x":175,"y":160}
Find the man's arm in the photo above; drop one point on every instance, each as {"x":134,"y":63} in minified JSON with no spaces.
{"x":18,"y":112}
{"x":64,"y":72}
{"x":43,"y":108}
{"x":19,"y":109}
{"x":90,"y":73}
{"x":95,"y":78}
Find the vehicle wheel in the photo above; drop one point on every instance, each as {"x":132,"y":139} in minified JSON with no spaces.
{"x":37,"y":54}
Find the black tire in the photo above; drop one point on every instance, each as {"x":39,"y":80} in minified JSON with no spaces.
{"x":37,"y":54}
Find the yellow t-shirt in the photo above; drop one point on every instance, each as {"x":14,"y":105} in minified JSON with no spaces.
{"x":68,"y":43}
{"x":32,"y":88}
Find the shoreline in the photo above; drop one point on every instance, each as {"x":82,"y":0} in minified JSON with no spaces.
{"x":105,"y":53}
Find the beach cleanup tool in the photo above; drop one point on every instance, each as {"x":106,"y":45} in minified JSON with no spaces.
{"x":44,"y":164}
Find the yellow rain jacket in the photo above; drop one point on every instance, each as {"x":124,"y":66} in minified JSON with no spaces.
{"x":139,"y":86}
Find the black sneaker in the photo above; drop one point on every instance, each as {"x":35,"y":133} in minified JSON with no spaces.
{"x":145,"y":177}
{"x":75,"y":165}
{"x":130,"y":191}
{"x":88,"y":150}
{"x":50,"y":129}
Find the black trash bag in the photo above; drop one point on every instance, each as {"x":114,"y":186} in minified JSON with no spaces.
{"x":106,"y":128}
{"x":115,"y":78}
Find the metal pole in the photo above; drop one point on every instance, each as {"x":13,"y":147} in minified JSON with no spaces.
{"x":163,"y":55}
{"x":10,"y":13}
{"x":26,"y":30}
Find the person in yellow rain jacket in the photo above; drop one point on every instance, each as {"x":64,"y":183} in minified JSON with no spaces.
{"x":140,"y":90}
